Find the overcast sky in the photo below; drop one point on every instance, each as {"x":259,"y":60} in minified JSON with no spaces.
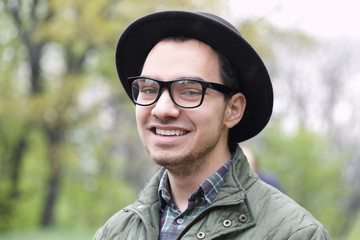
{"x":321,"y":18}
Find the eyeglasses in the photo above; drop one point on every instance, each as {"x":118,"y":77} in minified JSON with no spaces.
{"x":184,"y":92}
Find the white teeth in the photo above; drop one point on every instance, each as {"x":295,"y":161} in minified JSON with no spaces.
{"x":170,"y":132}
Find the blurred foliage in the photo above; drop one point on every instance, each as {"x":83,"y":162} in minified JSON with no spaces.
{"x":70,"y":154}
{"x":262,"y":35}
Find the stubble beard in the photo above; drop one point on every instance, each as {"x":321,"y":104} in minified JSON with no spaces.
{"x":185,"y":165}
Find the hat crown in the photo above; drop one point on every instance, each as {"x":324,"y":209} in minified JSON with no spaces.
{"x":220,"y":20}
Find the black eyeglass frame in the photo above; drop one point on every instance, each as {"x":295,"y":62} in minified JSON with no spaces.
{"x":215,"y":86}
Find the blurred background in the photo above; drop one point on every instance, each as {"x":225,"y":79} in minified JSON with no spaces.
{"x":70,"y":155}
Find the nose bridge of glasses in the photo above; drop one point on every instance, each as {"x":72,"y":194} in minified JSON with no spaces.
{"x":165,"y":92}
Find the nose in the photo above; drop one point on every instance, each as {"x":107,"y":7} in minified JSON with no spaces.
{"x":165,"y":108}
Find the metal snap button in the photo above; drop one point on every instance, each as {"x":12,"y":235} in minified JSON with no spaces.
{"x":201,"y":235}
{"x":227,"y":223}
{"x":180,"y":221}
{"x":243,"y":218}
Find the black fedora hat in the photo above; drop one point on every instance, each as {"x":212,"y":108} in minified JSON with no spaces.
{"x":142,"y":35}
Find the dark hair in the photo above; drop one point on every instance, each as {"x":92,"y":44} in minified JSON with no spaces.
{"x":228,"y":74}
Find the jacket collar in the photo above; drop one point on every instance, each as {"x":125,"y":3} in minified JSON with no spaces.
{"x":241,"y":174}
{"x":239,"y":177}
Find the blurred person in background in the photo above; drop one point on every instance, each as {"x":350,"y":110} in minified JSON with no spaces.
{"x":264,"y":174}
{"x":199,"y":90}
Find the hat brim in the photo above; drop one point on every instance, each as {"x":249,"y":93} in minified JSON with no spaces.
{"x":141,"y":36}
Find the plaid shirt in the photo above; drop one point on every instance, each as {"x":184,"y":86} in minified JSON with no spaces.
{"x":173,"y":221}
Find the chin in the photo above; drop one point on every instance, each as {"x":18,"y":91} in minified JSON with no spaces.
{"x":166,"y":159}
{"x":184,"y":164}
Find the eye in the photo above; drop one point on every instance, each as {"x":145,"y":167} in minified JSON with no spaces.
{"x":188,"y":91}
{"x":149,"y":90}
{"x":148,"y":86}
{"x":191,"y":92}
{"x":188,"y":88}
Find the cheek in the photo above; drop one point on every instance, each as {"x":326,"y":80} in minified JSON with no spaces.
{"x":210,"y":119}
{"x":140,"y":113}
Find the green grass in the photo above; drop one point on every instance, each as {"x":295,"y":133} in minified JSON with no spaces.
{"x":48,"y":234}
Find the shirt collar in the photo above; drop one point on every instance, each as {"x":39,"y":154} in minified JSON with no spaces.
{"x":164,"y":191}
{"x":207,"y":190}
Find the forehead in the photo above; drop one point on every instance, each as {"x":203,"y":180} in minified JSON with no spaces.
{"x":174,"y":58}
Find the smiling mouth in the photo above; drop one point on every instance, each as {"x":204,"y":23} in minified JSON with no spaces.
{"x":170,"y":132}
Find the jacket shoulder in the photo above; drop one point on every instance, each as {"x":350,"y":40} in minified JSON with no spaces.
{"x":117,"y":225}
{"x":280,"y":217}
{"x":139,"y":216}
{"x":313,"y":232}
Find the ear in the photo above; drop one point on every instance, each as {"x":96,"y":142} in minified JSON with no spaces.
{"x":234,"y":110}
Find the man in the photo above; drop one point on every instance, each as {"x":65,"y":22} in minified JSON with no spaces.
{"x":199,"y":90}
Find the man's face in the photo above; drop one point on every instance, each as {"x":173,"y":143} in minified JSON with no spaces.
{"x":182,"y":140}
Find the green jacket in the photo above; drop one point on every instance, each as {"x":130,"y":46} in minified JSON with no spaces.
{"x":244,"y":208}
